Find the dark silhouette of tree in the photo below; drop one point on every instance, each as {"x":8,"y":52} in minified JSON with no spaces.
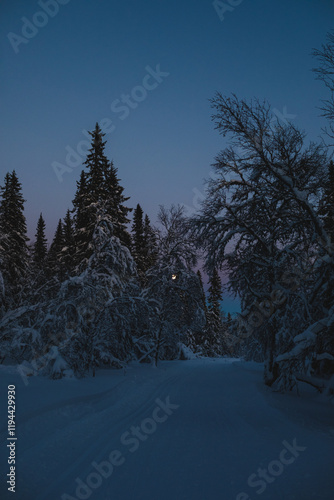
{"x":40,"y":246}
{"x":13,"y":238}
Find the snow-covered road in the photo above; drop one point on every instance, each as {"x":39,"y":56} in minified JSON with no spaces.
{"x":194,"y":430}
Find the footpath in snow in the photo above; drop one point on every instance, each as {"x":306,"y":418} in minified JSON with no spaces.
{"x":188,"y":430}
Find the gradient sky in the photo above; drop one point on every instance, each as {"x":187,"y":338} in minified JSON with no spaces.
{"x":91,"y":53}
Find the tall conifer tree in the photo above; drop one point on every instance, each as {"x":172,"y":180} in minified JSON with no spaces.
{"x":68,"y":250}
{"x":40,"y":246}
{"x":55,"y":263}
{"x":99,"y":194}
{"x":205,"y":307}
{"x":151,"y":248}
{"x":214,"y":328}
{"x":13,"y":230}
{"x":138,"y":242}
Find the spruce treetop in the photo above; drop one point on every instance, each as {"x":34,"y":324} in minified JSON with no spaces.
{"x":40,"y":246}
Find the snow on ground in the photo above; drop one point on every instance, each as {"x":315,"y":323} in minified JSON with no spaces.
{"x":188,"y":430}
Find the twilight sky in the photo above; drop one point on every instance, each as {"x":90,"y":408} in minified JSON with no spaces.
{"x":164,"y":60}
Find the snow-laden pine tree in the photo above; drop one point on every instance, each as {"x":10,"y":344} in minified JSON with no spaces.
{"x":201,"y":338}
{"x":205,"y":307}
{"x":37,"y":283}
{"x":83,"y":222}
{"x":215,"y":293}
{"x":144,"y":243}
{"x":68,"y":250}
{"x":151,"y":248}
{"x":54,"y":261}
{"x":40,"y":248}
{"x":214,"y":342}
{"x":114,"y":205}
{"x":98,"y":295}
{"x":138,"y":241}
{"x":13,"y":239}
{"x":99,"y":193}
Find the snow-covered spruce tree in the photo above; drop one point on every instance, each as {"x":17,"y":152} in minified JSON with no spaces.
{"x":14,"y":250}
{"x":144,"y":245}
{"x":215,"y":293}
{"x":151,"y":249}
{"x":138,"y":241}
{"x":3,"y":246}
{"x":98,"y":192}
{"x":199,"y":340}
{"x":260,"y":221}
{"x":39,"y":279}
{"x":68,"y":250}
{"x":40,"y":246}
{"x":83,"y":223}
{"x":54,"y":260}
{"x":215,"y":329}
{"x":205,"y":307}
{"x":2,"y":292}
{"x":98,"y":294}
{"x":173,"y":288}
{"x":114,"y":200}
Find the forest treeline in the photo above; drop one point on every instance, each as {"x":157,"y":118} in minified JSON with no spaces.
{"x":103,"y":293}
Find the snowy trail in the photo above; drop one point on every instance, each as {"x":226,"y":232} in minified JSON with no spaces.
{"x":222,"y":427}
